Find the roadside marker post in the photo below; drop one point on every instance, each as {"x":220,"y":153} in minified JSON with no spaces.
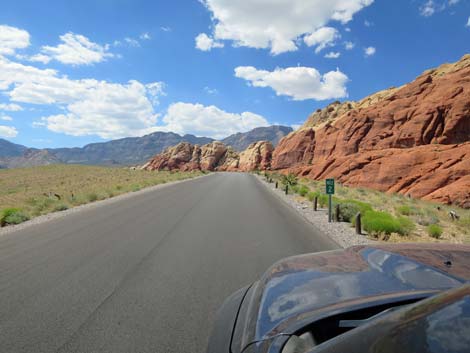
{"x":330,"y":190}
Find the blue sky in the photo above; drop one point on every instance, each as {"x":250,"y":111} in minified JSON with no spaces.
{"x":75,"y":72}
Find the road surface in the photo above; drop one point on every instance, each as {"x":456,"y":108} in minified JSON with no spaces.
{"x":145,"y":274}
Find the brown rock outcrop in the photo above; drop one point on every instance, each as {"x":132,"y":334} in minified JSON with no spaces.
{"x":258,"y":155}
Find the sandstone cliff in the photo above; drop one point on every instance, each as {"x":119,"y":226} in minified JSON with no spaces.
{"x":412,"y":140}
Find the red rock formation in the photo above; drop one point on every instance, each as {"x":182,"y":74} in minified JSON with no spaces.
{"x":412,"y":139}
{"x":258,"y":155}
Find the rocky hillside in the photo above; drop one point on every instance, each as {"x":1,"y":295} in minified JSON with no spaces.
{"x":242,"y":140}
{"x":8,"y":149}
{"x":29,"y":158}
{"x":128,"y":151}
{"x":412,"y":140}
{"x":214,"y":156}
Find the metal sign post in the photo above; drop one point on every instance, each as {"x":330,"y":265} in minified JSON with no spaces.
{"x":330,"y":190}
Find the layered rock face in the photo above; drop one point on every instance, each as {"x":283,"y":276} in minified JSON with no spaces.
{"x":214,"y":156}
{"x":412,"y":140}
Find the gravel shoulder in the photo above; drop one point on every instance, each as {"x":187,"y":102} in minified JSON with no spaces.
{"x":97,"y":204}
{"x":341,"y":232}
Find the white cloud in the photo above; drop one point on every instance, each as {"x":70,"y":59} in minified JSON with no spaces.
{"x":12,"y":38}
{"x":347,"y":29}
{"x":165,"y":29}
{"x":91,"y":107}
{"x":428,"y":8}
{"x":75,"y":49}
{"x":322,"y":38}
{"x":6,"y":118}
{"x":210,"y":121}
{"x":155,"y":90}
{"x":349,"y":45}
{"x":41,"y":58}
{"x":211,"y":91}
{"x":10,"y":107}
{"x":132,"y":42}
{"x":468,"y":22}
{"x":299,"y":83}
{"x":205,"y":43}
{"x":145,"y":36}
{"x":8,"y":131}
{"x":333,"y":55}
{"x":276,"y":25}
{"x":368,"y":23}
{"x":369,"y":51}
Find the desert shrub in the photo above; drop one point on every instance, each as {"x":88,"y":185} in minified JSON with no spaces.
{"x":289,"y":179}
{"x":434,"y":231}
{"x":375,"y":223}
{"x":363,"y":206}
{"x":92,"y":197}
{"x":404,"y":210}
{"x":12,"y":216}
{"x":303,"y":190}
{"x":61,"y":207}
{"x":347,"y":211}
{"x":407,"y":225}
{"x":323,"y":200}
{"x":312,"y":194}
{"x":426,"y":220}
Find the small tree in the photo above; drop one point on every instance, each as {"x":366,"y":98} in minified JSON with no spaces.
{"x":289,"y":179}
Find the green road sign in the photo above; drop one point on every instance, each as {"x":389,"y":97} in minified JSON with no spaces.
{"x":330,"y":186}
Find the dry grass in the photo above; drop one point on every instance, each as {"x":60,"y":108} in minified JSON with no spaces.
{"x":41,"y":190}
{"x":422,"y":213}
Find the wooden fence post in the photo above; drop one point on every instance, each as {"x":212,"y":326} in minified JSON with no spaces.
{"x":315,"y":203}
{"x":358,"y":223}
{"x":287,"y":189}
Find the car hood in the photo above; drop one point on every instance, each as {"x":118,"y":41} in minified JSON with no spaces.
{"x":298,"y":287}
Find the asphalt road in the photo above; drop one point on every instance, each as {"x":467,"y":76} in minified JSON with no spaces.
{"x":145,"y":274}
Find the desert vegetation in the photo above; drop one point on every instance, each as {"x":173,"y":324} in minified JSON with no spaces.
{"x":30,"y":192}
{"x":388,"y":217}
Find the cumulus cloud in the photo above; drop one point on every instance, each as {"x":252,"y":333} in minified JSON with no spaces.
{"x":280,"y":24}
{"x":333,"y":55}
{"x":10,"y":107}
{"x":468,"y":22}
{"x":145,"y":36}
{"x":11,"y":39}
{"x":210,"y":121}
{"x":322,"y":38}
{"x":369,"y":51}
{"x":75,"y":49}
{"x":205,"y":43}
{"x":430,"y":7}
{"x":299,"y":83}
{"x":8,"y":131}
{"x":91,"y":107}
{"x":349,"y":45}
{"x":6,"y":118}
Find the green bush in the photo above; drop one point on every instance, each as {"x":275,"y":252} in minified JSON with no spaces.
{"x":407,"y":225}
{"x":61,"y":207}
{"x":323,"y":200}
{"x":347,"y":211}
{"x":12,"y":216}
{"x":289,"y":179}
{"x":294,"y":188}
{"x":312,"y":194}
{"x":363,"y":206}
{"x":434,"y":231}
{"x":375,"y":223}
{"x":303,"y":190}
{"x":92,"y":197}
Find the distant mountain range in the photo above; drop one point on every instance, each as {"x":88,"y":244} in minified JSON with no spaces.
{"x":126,"y":151}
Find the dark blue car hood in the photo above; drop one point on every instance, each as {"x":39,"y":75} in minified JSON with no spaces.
{"x":298,"y":287}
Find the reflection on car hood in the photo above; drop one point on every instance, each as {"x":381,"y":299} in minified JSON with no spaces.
{"x":308,"y":283}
